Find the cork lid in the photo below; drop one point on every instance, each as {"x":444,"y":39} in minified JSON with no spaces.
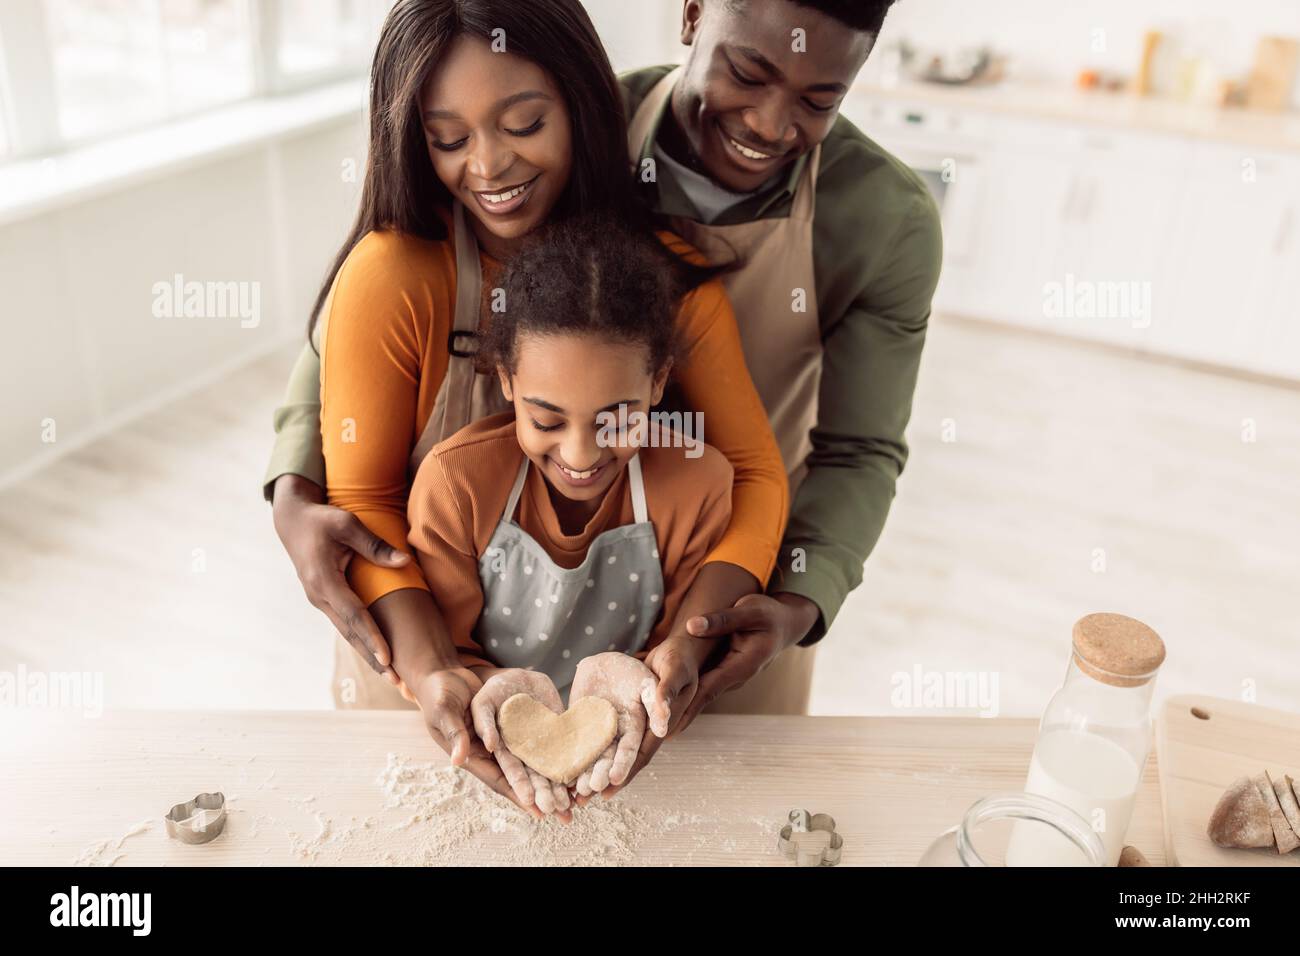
{"x":1117,"y":650}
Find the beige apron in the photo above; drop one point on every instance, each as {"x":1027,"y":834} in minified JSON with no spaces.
{"x":783,"y":350}
{"x":464,"y":396}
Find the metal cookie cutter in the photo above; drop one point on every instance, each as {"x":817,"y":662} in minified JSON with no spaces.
{"x":810,"y":839}
{"x":199,"y":820}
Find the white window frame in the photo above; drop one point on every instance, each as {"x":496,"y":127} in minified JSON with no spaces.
{"x":31,"y":120}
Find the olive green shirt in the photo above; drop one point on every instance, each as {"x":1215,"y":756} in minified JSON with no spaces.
{"x":877,"y":249}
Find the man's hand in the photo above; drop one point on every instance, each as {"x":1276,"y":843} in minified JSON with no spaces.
{"x":761,"y":627}
{"x":629,"y":685}
{"x":530,"y":787}
{"x":321,"y":541}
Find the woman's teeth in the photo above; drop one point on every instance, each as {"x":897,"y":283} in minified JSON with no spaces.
{"x":578,"y":475}
{"x":508,"y":195}
{"x":746,"y":151}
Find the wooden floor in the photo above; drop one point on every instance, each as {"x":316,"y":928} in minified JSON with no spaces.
{"x":1048,"y":479}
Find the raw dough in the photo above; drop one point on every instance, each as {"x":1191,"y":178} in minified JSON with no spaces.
{"x":558,"y":746}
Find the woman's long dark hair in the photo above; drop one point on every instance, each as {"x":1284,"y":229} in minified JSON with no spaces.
{"x":401,"y":191}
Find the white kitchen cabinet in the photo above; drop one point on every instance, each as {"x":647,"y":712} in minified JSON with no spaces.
{"x":1117,"y":227}
{"x":1235,"y":263}
{"x":1159,"y":242}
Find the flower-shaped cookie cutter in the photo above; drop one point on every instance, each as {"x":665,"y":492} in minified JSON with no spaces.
{"x":810,"y":839}
{"x":200,"y":820}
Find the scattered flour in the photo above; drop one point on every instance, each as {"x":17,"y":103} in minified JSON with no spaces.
{"x":108,"y":852}
{"x":441,"y":811}
{"x":435,"y":815}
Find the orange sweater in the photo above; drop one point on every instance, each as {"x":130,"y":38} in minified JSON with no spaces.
{"x":384,"y":358}
{"x":461,"y":490}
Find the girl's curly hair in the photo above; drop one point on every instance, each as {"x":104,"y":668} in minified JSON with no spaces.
{"x":591,"y":275}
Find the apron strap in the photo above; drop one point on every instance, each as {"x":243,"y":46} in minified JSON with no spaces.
{"x":805,"y":191}
{"x":513,"y":501}
{"x":639,"y":129}
{"x":459,"y":382}
{"x":639,"y":511}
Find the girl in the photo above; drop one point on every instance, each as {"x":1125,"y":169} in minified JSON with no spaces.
{"x":552,"y":544}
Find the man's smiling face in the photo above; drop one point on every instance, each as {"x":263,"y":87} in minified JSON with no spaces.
{"x":762,"y":84}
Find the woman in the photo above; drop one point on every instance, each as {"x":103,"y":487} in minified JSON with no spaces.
{"x":488,"y":119}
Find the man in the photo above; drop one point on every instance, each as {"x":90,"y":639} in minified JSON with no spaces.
{"x":837,"y":250}
{"x":743,"y":149}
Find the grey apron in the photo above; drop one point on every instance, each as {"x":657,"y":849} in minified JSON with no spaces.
{"x":540,"y":616}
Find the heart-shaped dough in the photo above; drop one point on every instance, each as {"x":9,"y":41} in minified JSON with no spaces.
{"x":558,"y":746}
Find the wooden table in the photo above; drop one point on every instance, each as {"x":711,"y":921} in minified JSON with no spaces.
{"x":303,"y":787}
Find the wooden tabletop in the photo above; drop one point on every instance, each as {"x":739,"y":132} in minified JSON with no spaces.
{"x":349,"y":787}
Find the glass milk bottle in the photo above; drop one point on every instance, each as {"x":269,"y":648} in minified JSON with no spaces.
{"x":1093,"y":739}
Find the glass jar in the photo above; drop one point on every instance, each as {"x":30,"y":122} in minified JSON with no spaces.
{"x":1093,"y":740}
{"x":982,"y":837}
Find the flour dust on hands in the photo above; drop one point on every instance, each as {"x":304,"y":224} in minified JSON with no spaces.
{"x":629,"y":685}
{"x":528,"y":785}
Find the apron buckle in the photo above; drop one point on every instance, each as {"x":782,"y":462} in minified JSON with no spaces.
{"x":458,"y":352}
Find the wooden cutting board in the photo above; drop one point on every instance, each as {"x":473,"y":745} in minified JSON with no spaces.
{"x":1203,"y":745}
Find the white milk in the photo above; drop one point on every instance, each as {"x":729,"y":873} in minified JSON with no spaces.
{"x":1094,"y":777}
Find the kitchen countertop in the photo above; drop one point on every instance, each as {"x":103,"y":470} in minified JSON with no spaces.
{"x":307,"y":787}
{"x":1115,"y":110}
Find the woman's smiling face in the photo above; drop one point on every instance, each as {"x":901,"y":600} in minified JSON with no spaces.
{"x":499,"y":139}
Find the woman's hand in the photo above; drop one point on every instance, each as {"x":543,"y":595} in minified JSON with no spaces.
{"x":629,"y":685}
{"x":530,"y":787}
{"x":321,"y":541}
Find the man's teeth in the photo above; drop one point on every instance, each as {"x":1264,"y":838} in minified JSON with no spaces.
{"x":747,"y":152}
{"x":507,"y":195}
{"x":579,"y":475}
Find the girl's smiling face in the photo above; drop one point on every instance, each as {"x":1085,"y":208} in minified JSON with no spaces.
{"x":499,"y":138}
{"x":561,"y":384}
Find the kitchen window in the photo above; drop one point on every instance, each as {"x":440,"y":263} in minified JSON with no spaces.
{"x":91,"y":70}
{"x":121,"y":64}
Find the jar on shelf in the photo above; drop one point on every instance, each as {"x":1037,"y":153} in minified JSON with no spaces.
{"x":1094,"y":737}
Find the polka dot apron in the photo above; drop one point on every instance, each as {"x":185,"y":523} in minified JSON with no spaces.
{"x":540,"y":616}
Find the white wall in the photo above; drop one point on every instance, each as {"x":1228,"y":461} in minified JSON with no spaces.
{"x":81,"y":343}
{"x":637,"y":34}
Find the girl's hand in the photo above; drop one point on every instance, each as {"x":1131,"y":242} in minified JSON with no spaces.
{"x":676,"y":664}
{"x":444,"y":697}
{"x":530,"y":787}
{"x":629,"y":685}
{"x":674,"y":668}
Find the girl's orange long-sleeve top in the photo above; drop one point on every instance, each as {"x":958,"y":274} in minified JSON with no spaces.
{"x":384,"y":356}
{"x":460,"y":493}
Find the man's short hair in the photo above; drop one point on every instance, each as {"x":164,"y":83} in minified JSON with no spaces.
{"x":865,"y":15}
